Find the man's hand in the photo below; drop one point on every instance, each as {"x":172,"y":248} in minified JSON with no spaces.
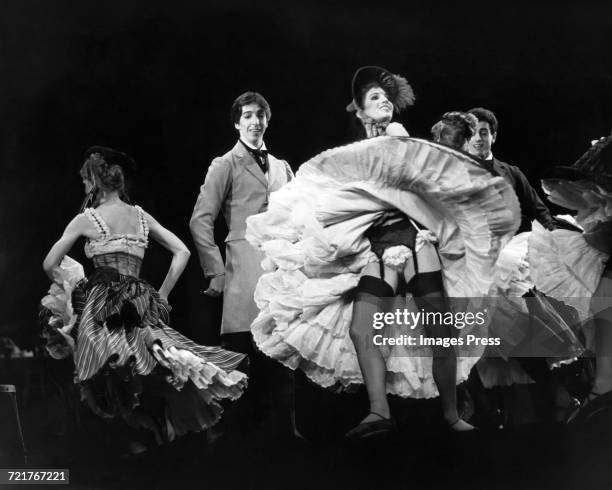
{"x":215,"y":288}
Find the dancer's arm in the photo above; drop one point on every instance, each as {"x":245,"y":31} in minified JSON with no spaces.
{"x":180,"y":254}
{"x":213,"y":193}
{"x":78,"y":227}
{"x":533,"y":207}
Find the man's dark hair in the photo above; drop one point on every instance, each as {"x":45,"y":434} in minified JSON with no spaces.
{"x":249,"y":98}
{"x":485,"y":115}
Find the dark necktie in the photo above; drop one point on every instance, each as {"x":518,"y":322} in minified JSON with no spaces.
{"x":261,"y":157}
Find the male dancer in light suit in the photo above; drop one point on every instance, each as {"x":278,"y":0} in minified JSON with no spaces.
{"x":239,"y":184}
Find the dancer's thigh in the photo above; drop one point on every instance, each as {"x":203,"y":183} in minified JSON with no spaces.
{"x":391,"y":276}
{"x":427,"y":260}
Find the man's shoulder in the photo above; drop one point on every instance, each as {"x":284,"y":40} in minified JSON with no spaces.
{"x":224,"y":161}
{"x":228,"y":155}
{"x":516,"y":174}
{"x":512,"y":169}
{"x":281,"y":163}
{"x":501,"y":163}
{"x":278,"y":159}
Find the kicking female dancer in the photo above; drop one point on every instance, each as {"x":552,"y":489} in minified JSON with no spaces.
{"x":347,"y":232}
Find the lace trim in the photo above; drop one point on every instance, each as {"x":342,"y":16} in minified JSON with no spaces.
{"x":397,"y":256}
{"x":104,"y":230}
{"x":144,"y":225}
{"x":106,"y":237}
{"x":98,"y":222}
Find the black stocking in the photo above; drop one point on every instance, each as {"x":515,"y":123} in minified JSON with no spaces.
{"x":369,"y":297}
{"x":428,"y":292}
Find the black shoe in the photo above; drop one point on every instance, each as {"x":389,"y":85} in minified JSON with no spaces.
{"x":453,"y":427}
{"x":562,"y":414}
{"x":592,"y":405}
{"x":135,"y":450}
{"x":366,"y":430}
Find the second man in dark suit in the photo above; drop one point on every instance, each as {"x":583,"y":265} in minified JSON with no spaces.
{"x":480,"y":146}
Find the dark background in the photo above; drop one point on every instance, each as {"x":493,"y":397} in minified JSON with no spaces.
{"x":157,"y":79}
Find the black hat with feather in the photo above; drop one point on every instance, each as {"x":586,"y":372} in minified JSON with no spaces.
{"x":398,"y":89}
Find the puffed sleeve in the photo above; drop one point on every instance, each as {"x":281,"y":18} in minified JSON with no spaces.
{"x":288,"y":171}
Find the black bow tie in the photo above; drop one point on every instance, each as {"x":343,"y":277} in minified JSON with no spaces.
{"x":261,"y":157}
{"x":261,"y":153}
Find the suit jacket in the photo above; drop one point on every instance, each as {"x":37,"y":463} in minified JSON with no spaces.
{"x":532,"y":206}
{"x":236,"y":186}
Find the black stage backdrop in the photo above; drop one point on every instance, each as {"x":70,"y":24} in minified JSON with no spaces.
{"x":156,"y":79}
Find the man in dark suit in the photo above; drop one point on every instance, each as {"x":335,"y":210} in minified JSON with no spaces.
{"x":480,"y":146}
{"x":532,"y":208}
{"x":239,"y":184}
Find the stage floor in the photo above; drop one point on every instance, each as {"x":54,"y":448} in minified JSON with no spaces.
{"x":421,"y":454}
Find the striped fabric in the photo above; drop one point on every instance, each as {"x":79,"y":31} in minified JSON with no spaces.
{"x":96,"y":344}
{"x":101,"y":303}
{"x":226,"y":360}
{"x":120,"y":315}
{"x":126,"y":264}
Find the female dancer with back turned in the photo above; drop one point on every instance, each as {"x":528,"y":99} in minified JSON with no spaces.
{"x":129,"y":363}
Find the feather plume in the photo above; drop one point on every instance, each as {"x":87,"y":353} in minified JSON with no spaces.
{"x":399,"y":89}
{"x":405,"y":94}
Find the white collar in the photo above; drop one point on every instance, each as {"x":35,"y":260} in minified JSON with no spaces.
{"x":262,"y":147}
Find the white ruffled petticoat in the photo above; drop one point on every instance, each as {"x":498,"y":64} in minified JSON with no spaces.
{"x":313,"y":238}
{"x":559,"y":263}
{"x":568,"y":265}
{"x":513,"y":321}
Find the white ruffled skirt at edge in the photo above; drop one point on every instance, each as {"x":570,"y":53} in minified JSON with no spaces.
{"x":313,"y":239}
{"x":564,"y":266}
{"x":512,"y":281}
{"x":559,"y":263}
{"x":511,"y":317}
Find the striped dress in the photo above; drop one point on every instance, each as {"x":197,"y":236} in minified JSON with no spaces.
{"x":128,"y":361}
